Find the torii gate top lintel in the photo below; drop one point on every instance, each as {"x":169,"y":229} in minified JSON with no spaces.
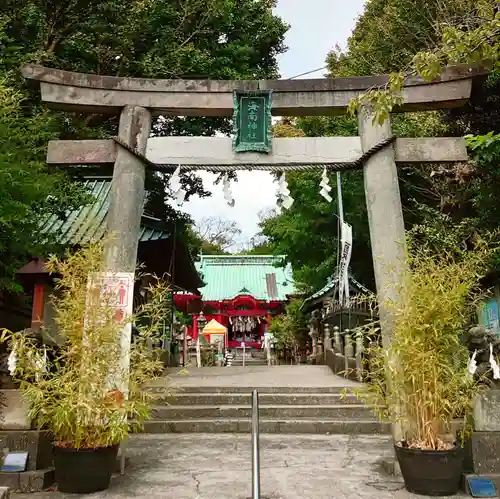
{"x":310,"y":97}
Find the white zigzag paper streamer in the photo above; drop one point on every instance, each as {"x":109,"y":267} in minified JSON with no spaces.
{"x":494,"y":364}
{"x":325,"y":186}
{"x":176,"y":187}
{"x":472,"y":367}
{"x":41,"y":364}
{"x":12,"y":361}
{"x":226,"y":189}
{"x":284,"y":191}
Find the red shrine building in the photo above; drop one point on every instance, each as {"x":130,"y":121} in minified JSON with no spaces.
{"x":242,"y":293}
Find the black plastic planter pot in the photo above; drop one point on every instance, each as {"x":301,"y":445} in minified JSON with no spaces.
{"x":83,"y":471}
{"x":431,"y":472}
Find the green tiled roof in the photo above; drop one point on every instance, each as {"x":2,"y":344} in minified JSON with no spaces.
{"x":331,"y":288}
{"x":228,"y":276}
{"x":88,"y":223}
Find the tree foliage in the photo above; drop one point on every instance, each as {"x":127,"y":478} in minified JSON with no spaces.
{"x":462,"y":32}
{"x":289,"y":329}
{"x":221,"y":39}
{"x":452,"y":203}
{"x":213,"y":236}
{"x":29,"y":191}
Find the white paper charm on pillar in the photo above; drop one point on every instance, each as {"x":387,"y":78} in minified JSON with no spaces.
{"x":494,"y":364}
{"x":12,"y":361}
{"x":284,"y":192}
{"x":325,"y":186}
{"x":345,"y":259}
{"x":472,"y":367}
{"x":226,"y":189}
{"x":176,"y":187}
{"x":41,"y":364}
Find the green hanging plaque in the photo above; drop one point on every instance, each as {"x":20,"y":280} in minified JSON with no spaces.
{"x":252,"y":121}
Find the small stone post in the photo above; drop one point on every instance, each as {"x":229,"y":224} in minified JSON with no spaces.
{"x":219,"y":354}
{"x":198,"y":352}
{"x":327,"y":342}
{"x":385,"y":218}
{"x":359,"y":354}
{"x":348,"y":350}
{"x":314,"y":337}
{"x":320,"y":344}
{"x":267,"y":346}
{"x":185,"y":347}
{"x":328,"y":338}
{"x":337,"y":340}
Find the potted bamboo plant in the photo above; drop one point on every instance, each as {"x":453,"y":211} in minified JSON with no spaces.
{"x":79,"y":390}
{"x":421,"y":382}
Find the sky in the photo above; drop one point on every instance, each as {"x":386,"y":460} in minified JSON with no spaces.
{"x":316,"y":27}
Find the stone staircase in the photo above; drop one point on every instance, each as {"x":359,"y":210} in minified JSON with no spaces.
{"x":252,"y":358}
{"x":249,"y":361}
{"x":283,"y":409}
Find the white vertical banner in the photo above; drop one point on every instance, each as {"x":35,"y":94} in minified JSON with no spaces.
{"x":345,"y":259}
{"x":117,"y":289}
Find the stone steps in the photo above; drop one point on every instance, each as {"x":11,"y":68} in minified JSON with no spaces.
{"x":296,"y":426}
{"x":248,"y":362}
{"x":336,"y":412}
{"x":285,"y":409}
{"x":264,"y":399}
{"x":159,"y":387}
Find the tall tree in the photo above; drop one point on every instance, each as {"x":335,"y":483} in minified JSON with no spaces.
{"x":422,"y":37}
{"x":450,"y":204}
{"x":218,"y":232}
{"x":212,"y":236}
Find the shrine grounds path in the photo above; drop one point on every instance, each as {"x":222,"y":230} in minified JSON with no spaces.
{"x":201,"y":466}
{"x":218,"y":466}
{"x":258,"y":376}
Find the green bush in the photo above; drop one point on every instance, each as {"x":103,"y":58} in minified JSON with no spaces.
{"x":428,"y":383}
{"x":83,"y":393}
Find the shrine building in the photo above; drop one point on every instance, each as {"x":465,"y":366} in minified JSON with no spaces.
{"x":159,"y":251}
{"x":242,"y":293}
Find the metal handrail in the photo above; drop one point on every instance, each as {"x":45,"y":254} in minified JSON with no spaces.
{"x":255,"y":446}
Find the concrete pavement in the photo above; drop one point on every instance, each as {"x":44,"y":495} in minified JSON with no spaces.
{"x":258,"y":376}
{"x":219,"y":467}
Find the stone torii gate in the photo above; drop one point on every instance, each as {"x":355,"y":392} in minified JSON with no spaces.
{"x":137,"y":100}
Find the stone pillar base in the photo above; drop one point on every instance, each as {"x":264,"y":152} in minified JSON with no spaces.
{"x":39,"y":473}
{"x":36,"y":443}
{"x":482,"y":458}
{"x":14,"y":411}
{"x":27,"y":481}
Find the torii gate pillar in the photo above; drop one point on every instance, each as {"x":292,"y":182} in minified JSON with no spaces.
{"x":127,"y":191}
{"x":385,"y":218}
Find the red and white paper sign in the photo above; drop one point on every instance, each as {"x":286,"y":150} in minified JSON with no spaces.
{"x":117,"y":289}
